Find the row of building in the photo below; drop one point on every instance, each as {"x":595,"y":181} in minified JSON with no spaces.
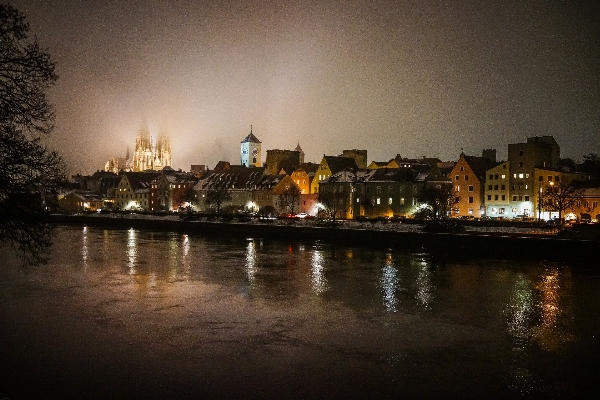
{"x":285,"y":183}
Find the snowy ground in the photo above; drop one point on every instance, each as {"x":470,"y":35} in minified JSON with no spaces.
{"x":379,"y":225}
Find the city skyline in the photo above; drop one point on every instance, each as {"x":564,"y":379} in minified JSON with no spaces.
{"x":390,"y":77}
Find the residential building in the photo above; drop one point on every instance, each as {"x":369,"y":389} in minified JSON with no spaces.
{"x":537,"y":152}
{"x":329,"y":166}
{"x":304,"y":175}
{"x":172,"y":190}
{"x":468,"y":179}
{"x":133,"y":191}
{"x":497,"y":192}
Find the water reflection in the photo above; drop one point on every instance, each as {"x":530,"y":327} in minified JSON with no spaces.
{"x":535,"y":311}
{"x":425,"y":288}
{"x":318,"y":280}
{"x":251,"y":261}
{"x":551,"y":333}
{"x":520,"y":308}
{"x":389,"y":283}
{"x":132,"y":250}
{"x":84,"y":247}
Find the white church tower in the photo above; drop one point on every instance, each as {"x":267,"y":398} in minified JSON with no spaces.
{"x":250,"y":151}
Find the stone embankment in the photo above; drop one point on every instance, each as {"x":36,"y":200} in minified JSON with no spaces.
{"x":501,"y":242}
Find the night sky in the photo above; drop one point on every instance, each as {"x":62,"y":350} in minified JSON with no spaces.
{"x":416,"y":78}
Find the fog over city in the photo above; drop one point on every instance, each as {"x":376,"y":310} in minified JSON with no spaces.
{"x":387,"y":76}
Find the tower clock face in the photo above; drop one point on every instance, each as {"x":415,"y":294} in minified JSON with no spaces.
{"x":254,"y":151}
{"x":245,"y":151}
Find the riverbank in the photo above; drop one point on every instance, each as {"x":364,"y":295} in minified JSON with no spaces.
{"x":497,"y":242}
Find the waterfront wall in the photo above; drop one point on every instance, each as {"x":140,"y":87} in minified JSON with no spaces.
{"x":491,"y":244}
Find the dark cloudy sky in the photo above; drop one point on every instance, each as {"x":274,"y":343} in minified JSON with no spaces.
{"x":419,"y":78}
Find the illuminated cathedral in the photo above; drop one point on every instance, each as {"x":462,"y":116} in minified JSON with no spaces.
{"x":149,"y":156}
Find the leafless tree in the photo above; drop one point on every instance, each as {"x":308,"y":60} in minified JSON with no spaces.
{"x":290,"y":198}
{"x":437,"y":201}
{"x":332,"y":201}
{"x":216,"y":197}
{"x":29,"y":172}
{"x":560,"y":196}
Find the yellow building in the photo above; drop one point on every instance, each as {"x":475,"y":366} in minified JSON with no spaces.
{"x":331,"y":165}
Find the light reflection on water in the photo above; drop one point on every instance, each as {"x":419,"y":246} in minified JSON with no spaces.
{"x":132,"y":250}
{"x":389,"y":284}
{"x":403,"y":308}
{"x":318,"y":279}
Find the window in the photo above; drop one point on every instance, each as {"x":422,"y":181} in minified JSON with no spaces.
{"x":491,"y":177}
{"x":501,"y":211}
{"x":549,"y":178}
{"x":495,"y":197}
{"x":470,"y":188}
{"x":503,"y":197}
{"x":470,"y":211}
{"x":503,"y":187}
{"x":466,"y":177}
{"x":489,"y":197}
{"x":456,"y":177}
{"x":495,"y":187}
{"x":515,"y":176}
{"x":489,"y":187}
{"x":462,"y":168}
{"x":521,"y":153}
{"x":526,"y":198}
{"x":470,"y":199}
{"x":514,"y":198}
{"x":390,"y":200}
{"x":503,"y":176}
{"x":358,"y":199}
{"x":378,"y":200}
{"x":457,"y":188}
{"x":495,"y":176}
{"x":402,"y":200}
{"x":378,"y":189}
{"x":520,"y":164}
{"x":595,"y":204}
{"x":520,"y":176}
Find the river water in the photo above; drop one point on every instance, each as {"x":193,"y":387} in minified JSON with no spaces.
{"x":135,"y":314}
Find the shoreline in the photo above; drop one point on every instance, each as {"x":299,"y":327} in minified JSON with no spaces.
{"x":491,"y":243}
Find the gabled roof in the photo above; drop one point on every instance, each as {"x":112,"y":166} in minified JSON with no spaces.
{"x":336,"y":164}
{"x":479,"y":165}
{"x":237,"y":179}
{"x":140,"y":180}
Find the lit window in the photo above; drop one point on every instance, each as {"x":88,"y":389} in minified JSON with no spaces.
{"x":378,"y":200}
{"x":358,"y":200}
{"x":503,"y":176}
{"x":390,"y":200}
{"x":521,"y":176}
